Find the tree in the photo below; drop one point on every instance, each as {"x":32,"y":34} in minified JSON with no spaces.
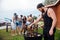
{"x":34,"y":17}
{"x":47,"y":2}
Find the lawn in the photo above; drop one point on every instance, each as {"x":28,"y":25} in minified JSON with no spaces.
{"x":6,"y":35}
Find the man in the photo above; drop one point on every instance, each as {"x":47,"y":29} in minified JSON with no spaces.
{"x":49,"y":21}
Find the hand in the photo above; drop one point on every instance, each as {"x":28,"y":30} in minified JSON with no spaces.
{"x":29,"y":26}
{"x":51,"y":32}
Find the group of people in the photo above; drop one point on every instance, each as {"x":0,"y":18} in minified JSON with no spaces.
{"x":19,"y":24}
{"x":48,"y":16}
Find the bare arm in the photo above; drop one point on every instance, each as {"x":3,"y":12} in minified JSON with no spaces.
{"x":36,"y":21}
{"x":13,"y":19}
{"x":53,"y":16}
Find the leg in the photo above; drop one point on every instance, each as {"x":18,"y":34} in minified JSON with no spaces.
{"x":52,"y":37}
{"x":13,"y":32}
{"x":18,"y":29}
{"x":23,"y":29}
{"x":47,"y":35}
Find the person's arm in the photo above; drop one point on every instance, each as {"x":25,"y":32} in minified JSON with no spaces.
{"x":53,"y":16}
{"x":13,"y":19}
{"x":36,"y":21}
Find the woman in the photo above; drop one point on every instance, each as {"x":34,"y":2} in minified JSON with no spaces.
{"x":13,"y":29}
{"x":16,"y":21}
{"x":24,"y":24}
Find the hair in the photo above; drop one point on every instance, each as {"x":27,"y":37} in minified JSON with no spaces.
{"x":24,"y":19}
{"x":15,"y":14}
{"x":30,"y":15}
{"x":16,"y":17}
{"x":40,"y":5}
{"x":21,"y":15}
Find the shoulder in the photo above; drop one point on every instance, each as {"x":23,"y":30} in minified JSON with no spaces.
{"x":13,"y":17}
{"x":50,"y":9}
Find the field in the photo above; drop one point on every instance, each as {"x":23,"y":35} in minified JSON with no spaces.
{"x":7,"y":35}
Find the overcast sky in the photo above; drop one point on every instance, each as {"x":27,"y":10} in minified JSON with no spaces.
{"x":25,"y":7}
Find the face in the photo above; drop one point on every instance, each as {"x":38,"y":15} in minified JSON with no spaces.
{"x":41,"y":9}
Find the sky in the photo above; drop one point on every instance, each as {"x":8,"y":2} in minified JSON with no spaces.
{"x":24,"y":7}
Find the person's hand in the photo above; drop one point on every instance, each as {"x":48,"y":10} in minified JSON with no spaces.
{"x":29,"y":25}
{"x":51,"y":32}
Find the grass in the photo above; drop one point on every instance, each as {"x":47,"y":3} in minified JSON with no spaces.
{"x":6,"y":35}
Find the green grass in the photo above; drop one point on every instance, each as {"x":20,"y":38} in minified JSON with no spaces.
{"x":6,"y":35}
{"x":57,"y":34}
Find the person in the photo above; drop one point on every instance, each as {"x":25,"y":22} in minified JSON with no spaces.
{"x":13,"y":26}
{"x":13,"y":29}
{"x":30,"y":18}
{"x":16,"y":21}
{"x":33,"y":27}
{"x":24,"y":25}
{"x":50,"y":20}
{"x":28,"y":22}
{"x":20,"y":22}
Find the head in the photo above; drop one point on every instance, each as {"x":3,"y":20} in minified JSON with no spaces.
{"x":15,"y":14}
{"x":24,"y":17}
{"x":21,"y":15}
{"x":16,"y":17}
{"x":40,"y":7}
{"x":30,"y":15}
